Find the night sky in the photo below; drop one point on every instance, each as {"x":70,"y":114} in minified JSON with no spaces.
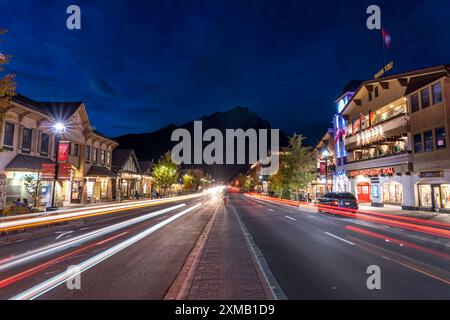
{"x":142,"y":65}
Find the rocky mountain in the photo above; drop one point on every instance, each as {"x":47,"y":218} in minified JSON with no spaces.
{"x":151,"y":146}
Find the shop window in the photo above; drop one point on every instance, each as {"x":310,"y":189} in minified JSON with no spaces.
{"x":45,"y":144}
{"x":425,"y":98}
{"x":26,"y":140}
{"x":415,"y":103}
{"x":418,"y":145}
{"x":393,"y":193}
{"x":441,"y":143}
{"x":437,"y":93}
{"x":425,"y":196}
{"x":8,"y":139}
{"x":446,"y":196}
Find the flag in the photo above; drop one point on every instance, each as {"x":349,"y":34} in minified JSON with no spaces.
{"x":361,"y":121}
{"x":386,"y":38}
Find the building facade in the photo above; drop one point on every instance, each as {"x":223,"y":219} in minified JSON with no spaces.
{"x":396,"y":140}
{"x":29,"y":141}
{"x":126,"y":167}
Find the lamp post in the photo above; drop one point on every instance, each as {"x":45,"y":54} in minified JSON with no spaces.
{"x":326,"y":156}
{"x":58,"y":128}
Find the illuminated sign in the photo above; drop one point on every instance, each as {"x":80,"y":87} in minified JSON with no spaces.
{"x":48,"y":171}
{"x":373,"y":172}
{"x":63,"y":151}
{"x":387,"y":68}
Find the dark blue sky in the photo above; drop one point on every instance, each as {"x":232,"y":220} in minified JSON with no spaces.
{"x":141,"y":65}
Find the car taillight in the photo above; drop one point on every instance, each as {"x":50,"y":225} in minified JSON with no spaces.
{"x":335,"y":203}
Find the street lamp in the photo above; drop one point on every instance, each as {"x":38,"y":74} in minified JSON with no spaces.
{"x":59,"y":128}
{"x":326,"y":155}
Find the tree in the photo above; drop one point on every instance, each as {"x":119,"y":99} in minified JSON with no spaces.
{"x":165,"y":173}
{"x":244,"y":182}
{"x":189,"y":182}
{"x":296,"y":169}
{"x":7,"y":90}
{"x":33,"y":187}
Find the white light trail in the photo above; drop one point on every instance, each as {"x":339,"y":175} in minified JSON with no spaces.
{"x":61,"y":278}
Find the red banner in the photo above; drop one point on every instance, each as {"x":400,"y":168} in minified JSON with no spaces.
{"x":63,"y":151}
{"x":64,"y":170}
{"x":323,"y":168}
{"x":48,"y":171}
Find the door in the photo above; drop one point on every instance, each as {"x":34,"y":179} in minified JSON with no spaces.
{"x":437,"y":200}
{"x":363,"y":190}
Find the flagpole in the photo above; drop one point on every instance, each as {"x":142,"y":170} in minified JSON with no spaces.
{"x":383,"y":50}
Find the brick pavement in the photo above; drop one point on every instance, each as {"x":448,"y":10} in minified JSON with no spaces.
{"x":226,"y":269}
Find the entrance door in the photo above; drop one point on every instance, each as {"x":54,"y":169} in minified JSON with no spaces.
{"x":363,"y":190}
{"x":437,"y":200}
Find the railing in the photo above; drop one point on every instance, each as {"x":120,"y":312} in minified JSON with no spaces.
{"x":382,"y":161}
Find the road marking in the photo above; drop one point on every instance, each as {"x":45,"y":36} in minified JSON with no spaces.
{"x":271,"y":210}
{"x":63,"y":234}
{"x":290,"y":218}
{"x":32,"y":255}
{"x":339,"y":238}
{"x":61,"y":278}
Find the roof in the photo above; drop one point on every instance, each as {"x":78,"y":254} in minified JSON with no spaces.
{"x":419,"y":82}
{"x":23,"y":162}
{"x":438,"y":71}
{"x":352,"y":86}
{"x":120,"y":157}
{"x":145,"y":166}
{"x":57,"y":110}
{"x":101,"y":135}
{"x":96,"y":171}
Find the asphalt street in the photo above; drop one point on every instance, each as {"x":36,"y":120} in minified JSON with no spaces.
{"x":321,"y":256}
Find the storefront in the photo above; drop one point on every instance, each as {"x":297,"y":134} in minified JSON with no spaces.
{"x":434,"y":192}
{"x":393,"y":193}
{"x":99,"y":184}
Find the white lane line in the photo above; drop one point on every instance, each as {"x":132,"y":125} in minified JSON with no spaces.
{"x":339,"y":238}
{"x":67,"y":243}
{"x":290,"y":218}
{"x":271,"y":210}
{"x":61,"y":278}
{"x":63,"y":234}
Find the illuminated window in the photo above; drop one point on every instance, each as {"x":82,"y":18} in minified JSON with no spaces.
{"x":437,"y":93}
{"x":425,"y":196}
{"x":440,"y":138}
{"x":425,"y":98}
{"x":446,"y":196}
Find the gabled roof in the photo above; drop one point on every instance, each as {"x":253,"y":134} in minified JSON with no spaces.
{"x":426,"y":74}
{"x":145,"y":166}
{"x":418,"y":82}
{"x":121,"y":156}
{"x":351,"y":86}
{"x":57,"y":110}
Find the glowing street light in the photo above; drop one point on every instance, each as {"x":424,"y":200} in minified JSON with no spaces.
{"x":59,"y":128}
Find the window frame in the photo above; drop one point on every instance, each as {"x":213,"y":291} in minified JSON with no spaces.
{"x":434,"y":95}
{"x":412,"y":98}
{"x":22,"y":148}
{"x":42,"y":152}
{"x":425,"y":147}
{"x":427,"y":89}
{"x":436,"y":138}
{"x":88,"y":153}
{"x":415,"y":144}
{"x":9,"y":147}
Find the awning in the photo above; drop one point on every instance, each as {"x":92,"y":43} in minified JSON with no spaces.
{"x":96,"y":171}
{"x":23,"y":162}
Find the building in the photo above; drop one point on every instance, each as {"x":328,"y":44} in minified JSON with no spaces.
{"x":129,"y":179}
{"x":396,"y":140}
{"x":326,"y":167}
{"x":147,"y":180}
{"x":28,"y":142}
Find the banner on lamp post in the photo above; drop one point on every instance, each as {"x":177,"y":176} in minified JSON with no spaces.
{"x":63,"y":151}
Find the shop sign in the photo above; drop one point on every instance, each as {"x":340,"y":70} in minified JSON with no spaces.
{"x":373,"y":172}
{"x":48,"y":171}
{"x":63,"y":151}
{"x":64,"y":171}
{"x":438,"y":174}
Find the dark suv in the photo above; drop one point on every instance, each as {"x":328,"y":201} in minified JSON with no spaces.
{"x":346,"y":201}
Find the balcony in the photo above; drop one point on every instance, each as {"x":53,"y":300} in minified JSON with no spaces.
{"x":402,"y":159}
{"x":392,"y":126}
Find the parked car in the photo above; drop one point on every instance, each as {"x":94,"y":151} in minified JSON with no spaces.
{"x":345,"y":201}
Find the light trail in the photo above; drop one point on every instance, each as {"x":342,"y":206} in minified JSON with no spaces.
{"x":79,"y":214}
{"x":60,"y":246}
{"x":61,"y":278}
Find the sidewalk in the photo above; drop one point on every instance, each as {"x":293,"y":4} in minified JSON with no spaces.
{"x":226,"y":269}
{"x":431,"y":216}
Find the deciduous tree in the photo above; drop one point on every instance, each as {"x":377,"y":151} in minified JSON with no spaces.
{"x":165,"y":173}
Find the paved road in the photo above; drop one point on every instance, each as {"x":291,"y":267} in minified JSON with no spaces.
{"x":318,"y":256}
{"x":133,"y":254}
